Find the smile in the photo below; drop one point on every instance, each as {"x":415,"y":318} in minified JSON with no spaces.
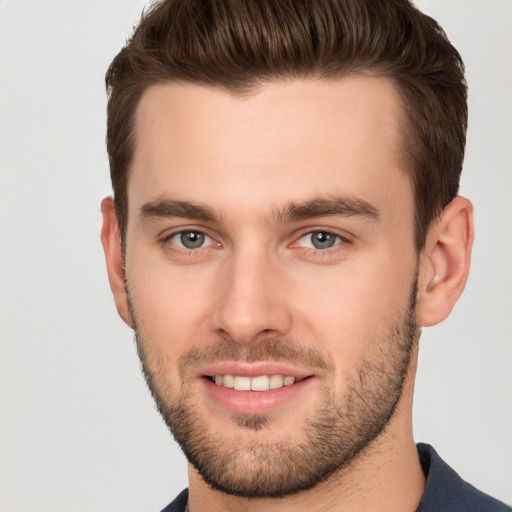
{"x":258,"y":383}
{"x":259,"y":393}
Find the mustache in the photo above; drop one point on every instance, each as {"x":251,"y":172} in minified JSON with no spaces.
{"x":276,"y":350}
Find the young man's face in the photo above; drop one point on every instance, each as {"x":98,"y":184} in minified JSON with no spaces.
{"x":270,"y":241}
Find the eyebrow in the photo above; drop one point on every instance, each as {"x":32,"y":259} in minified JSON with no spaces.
{"x":163,"y":208}
{"x":346,"y":206}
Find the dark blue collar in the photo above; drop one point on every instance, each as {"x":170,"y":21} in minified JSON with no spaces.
{"x":446,"y":491}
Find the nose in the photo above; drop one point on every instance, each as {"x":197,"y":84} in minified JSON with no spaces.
{"x":251,"y":299}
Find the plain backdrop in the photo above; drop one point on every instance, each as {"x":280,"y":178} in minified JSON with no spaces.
{"x":78,"y":429}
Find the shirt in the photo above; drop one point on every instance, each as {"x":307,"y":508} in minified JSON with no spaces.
{"x":445,"y":491}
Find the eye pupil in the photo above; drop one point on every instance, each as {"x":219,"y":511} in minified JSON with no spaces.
{"x":322,"y":240}
{"x":192,"y":239}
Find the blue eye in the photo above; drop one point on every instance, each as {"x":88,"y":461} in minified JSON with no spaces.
{"x":191,"y":239}
{"x":320,"y":240}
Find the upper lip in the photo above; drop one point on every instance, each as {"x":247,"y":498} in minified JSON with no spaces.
{"x":252,"y":369}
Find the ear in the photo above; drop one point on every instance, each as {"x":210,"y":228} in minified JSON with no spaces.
{"x":444,"y":262}
{"x":111,"y":240}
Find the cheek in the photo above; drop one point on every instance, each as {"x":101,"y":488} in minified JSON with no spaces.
{"x":171,"y":311}
{"x":351,"y":310}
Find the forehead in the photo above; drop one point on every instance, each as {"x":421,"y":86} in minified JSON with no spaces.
{"x":286,"y":141}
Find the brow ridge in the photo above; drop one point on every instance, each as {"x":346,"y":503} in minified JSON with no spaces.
{"x":347,"y":206}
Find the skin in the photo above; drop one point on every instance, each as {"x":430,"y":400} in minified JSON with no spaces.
{"x":244,"y":158}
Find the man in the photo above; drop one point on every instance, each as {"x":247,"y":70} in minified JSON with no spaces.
{"x":285,"y":220}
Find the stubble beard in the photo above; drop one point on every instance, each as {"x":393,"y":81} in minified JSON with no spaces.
{"x":333,"y":436}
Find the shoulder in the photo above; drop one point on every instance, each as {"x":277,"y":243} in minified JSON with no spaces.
{"x":179,"y":503}
{"x":445,"y":489}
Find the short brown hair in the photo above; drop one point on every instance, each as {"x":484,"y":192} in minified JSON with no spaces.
{"x":240,"y":44}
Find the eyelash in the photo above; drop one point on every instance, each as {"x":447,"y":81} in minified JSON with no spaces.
{"x":340,"y":243}
{"x":338,"y":239}
{"x":167,"y":243}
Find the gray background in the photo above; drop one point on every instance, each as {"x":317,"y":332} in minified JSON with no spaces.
{"x":78,"y":430}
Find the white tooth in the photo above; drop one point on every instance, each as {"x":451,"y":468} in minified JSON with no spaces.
{"x":242,"y":383}
{"x":260,"y":383}
{"x":218,"y":380}
{"x":288,"y":381}
{"x":276,"y":381}
{"x":228,"y":381}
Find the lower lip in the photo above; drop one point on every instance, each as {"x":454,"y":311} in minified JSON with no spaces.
{"x":254,"y":402}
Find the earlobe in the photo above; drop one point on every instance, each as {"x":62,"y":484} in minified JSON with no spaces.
{"x":111,"y":241}
{"x":445,"y":261}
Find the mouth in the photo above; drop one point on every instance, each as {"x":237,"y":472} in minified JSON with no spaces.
{"x":254,"y":388}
